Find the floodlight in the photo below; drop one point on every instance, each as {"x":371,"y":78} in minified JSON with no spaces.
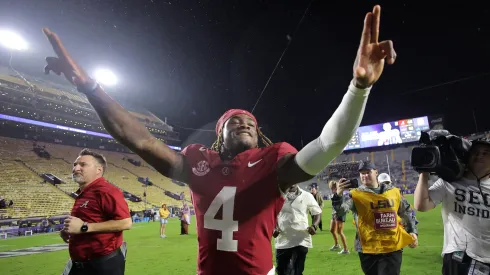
{"x":105,"y":77}
{"x":12,"y":40}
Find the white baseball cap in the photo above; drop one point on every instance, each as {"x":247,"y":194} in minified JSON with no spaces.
{"x":383,"y":177}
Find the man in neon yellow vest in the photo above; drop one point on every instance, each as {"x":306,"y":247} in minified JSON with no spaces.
{"x":378,"y":209}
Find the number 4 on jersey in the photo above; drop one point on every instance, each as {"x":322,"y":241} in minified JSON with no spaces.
{"x":225,"y":198}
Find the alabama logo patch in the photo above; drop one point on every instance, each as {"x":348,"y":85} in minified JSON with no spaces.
{"x":201,"y":169}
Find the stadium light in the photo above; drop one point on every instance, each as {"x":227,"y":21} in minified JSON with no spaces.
{"x":12,"y":41}
{"x":105,"y":77}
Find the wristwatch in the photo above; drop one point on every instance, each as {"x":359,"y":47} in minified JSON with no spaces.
{"x":84,"y":227}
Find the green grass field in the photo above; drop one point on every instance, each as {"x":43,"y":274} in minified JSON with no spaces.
{"x":150,"y":255}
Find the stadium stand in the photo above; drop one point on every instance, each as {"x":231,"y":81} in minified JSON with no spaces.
{"x":31,"y":197}
{"x":19,"y":154}
{"x":147,"y":171}
{"x":32,"y":153}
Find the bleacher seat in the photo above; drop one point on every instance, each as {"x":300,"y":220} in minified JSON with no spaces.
{"x":20,"y":179}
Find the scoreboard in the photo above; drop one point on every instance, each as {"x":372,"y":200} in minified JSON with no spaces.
{"x":389,"y":133}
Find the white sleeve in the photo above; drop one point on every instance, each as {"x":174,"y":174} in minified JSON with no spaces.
{"x":437,"y":191}
{"x":313,"y":206}
{"x":336,"y":134}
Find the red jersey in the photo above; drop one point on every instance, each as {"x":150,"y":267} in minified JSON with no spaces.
{"x":100,"y":201}
{"x":236,"y":204}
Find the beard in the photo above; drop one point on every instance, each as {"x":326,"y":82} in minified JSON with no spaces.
{"x":242,"y":145}
{"x":233,"y":146}
{"x":239,"y":145}
{"x":78,"y":179}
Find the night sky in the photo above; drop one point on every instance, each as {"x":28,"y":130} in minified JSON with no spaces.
{"x":190,"y":60}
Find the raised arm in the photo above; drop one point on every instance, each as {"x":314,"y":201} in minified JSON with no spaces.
{"x":133,"y":134}
{"x":426,"y":198}
{"x":117,"y":121}
{"x":340,"y":128}
{"x":421,"y":199}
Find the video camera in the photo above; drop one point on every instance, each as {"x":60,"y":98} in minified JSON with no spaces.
{"x":442,"y":154}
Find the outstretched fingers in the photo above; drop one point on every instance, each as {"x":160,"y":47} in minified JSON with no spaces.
{"x":366,"y":31}
{"x":63,"y":64}
{"x":375,"y":24}
{"x":56,"y":43}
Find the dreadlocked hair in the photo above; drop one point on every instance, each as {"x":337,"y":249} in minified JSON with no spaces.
{"x":219,"y":141}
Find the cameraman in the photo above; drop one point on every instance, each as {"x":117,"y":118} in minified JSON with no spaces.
{"x":377,"y":210}
{"x":465,"y":212}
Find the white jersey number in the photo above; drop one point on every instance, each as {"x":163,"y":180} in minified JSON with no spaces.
{"x":225,"y":198}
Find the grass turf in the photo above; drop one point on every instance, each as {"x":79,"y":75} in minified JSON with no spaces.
{"x":148,"y":254}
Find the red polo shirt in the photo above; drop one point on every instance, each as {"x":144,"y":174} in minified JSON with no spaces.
{"x":100,"y":201}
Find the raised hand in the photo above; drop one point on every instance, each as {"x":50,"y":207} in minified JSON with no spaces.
{"x":371,"y":55}
{"x":64,"y":63}
{"x":342,"y":185}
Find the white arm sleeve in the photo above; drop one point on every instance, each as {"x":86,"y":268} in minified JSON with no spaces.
{"x":336,"y":134}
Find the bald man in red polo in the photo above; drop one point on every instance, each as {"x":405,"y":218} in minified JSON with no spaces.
{"x":99,"y":215}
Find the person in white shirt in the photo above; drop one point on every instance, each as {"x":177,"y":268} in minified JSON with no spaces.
{"x":292,"y":234}
{"x":465,"y":212}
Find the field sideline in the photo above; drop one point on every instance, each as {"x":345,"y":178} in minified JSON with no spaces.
{"x":150,"y":255}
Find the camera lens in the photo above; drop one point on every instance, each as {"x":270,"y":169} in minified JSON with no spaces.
{"x":427,"y":157}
